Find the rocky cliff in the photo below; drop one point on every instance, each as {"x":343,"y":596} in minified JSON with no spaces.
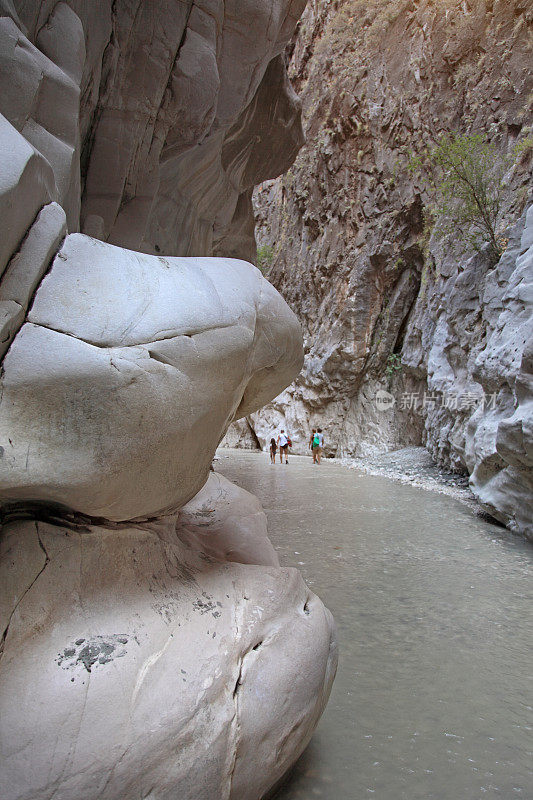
{"x":151,"y":645}
{"x":183,"y":107}
{"x":386,"y":304}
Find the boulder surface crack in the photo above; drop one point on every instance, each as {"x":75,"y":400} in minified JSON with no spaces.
{"x":25,"y":592}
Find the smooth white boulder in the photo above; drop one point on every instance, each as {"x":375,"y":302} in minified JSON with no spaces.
{"x":127,"y":373}
{"x":227,"y":523}
{"x":137,"y":665}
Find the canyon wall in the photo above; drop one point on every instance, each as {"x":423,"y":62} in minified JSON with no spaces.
{"x":183,"y":107}
{"x":151,"y":644}
{"x":387,"y":305}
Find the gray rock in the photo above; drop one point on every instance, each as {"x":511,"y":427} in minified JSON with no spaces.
{"x":41,"y":100}
{"x":385,"y":304}
{"x":150,"y":643}
{"x":26,"y":185}
{"x":177,"y":347}
{"x":135,"y":660}
{"x":26,"y":269}
{"x":500,"y":433}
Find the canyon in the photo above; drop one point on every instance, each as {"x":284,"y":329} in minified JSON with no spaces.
{"x":150,"y":641}
{"x":348,"y":238}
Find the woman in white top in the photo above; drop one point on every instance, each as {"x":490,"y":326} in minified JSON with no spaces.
{"x":283,"y":442}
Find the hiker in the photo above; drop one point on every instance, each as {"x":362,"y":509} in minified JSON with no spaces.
{"x":318,"y":444}
{"x":273,"y":448}
{"x":311,"y":444}
{"x":283,"y":442}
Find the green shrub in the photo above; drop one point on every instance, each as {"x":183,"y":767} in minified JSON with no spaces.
{"x":465,"y":174}
{"x":394,"y":364}
{"x":265,"y":257}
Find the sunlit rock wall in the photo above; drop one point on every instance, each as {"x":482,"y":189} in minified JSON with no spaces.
{"x":383,"y":303}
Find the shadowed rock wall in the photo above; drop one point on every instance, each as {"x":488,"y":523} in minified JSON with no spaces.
{"x":184,"y":106}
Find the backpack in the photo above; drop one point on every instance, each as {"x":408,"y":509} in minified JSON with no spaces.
{"x":316,"y":439}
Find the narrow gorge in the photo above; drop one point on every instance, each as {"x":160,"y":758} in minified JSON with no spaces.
{"x":225,"y":224}
{"x":348,"y":237}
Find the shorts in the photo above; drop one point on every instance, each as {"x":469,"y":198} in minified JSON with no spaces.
{"x":283,"y":446}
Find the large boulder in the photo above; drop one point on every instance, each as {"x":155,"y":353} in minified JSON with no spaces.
{"x":128,"y":371}
{"x":138,"y":662}
{"x":151,"y":646}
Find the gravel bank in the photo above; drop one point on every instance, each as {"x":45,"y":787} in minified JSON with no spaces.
{"x":414,"y":465}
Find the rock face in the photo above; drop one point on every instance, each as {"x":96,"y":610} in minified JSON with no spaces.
{"x":139,"y":662}
{"x":184,"y":107}
{"x":499,"y":434}
{"x":385,"y":304}
{"x":183,"y":344}
{"x":150,"y":643}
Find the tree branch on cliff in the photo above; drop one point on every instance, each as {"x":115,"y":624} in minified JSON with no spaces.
{"x":465,"y":174}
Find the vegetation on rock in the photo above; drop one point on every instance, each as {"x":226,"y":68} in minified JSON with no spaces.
{"x":265,"y":257}
{"x":394,"y":364}
{"x":465,"y":172}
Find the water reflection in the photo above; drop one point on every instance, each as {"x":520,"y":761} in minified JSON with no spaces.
{"x":433,"y":695}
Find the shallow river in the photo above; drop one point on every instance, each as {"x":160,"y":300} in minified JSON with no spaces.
{"x":433,"y":696}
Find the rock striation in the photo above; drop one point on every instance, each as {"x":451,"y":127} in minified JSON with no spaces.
{"x":150,"y":642}
{"x":385,"y":304}
{"x":183,"y":108}
{"x":499,"y":434}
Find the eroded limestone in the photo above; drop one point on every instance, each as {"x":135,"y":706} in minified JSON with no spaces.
{"x":137,"y":665}
{"x":151,"y":645}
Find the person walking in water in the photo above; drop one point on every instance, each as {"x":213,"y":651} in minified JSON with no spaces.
{"x":283,"y":442}
{"x":311,"y":444}
{"x":318,"y":444}
{"x":273,"y":448}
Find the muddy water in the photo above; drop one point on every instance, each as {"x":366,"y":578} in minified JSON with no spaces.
{"x":434,"y":607}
